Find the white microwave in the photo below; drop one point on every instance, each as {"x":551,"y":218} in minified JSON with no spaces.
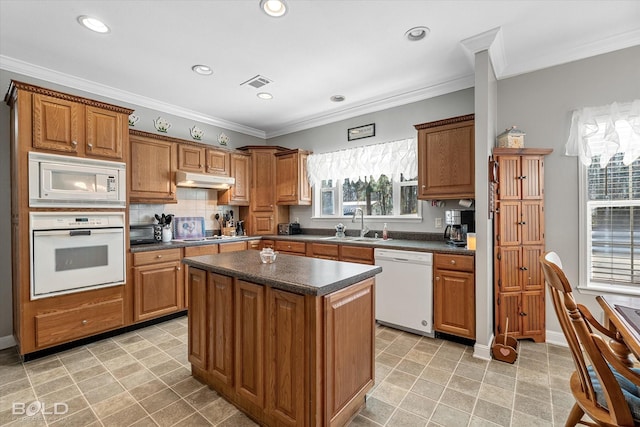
{"x":73,"y":182}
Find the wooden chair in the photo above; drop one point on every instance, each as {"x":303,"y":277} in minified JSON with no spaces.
{"x":604,"y":388}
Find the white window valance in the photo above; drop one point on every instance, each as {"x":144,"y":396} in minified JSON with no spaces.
{"x":605,"y":131}
{"x":389,"y":158}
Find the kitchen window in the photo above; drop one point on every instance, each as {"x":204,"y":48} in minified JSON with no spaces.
{"x":381,"y":179}
{"x":610,"y":201}
{"x":382,"y":197}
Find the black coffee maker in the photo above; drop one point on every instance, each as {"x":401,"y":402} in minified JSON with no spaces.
{"x":459,"y":223}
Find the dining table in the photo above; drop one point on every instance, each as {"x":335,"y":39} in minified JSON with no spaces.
{"x":622,"y":316}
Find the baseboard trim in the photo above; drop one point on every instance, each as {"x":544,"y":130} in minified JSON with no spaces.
{"x":7,"y":342}
{"x":556,"y":338}
{"x":482,"y":351}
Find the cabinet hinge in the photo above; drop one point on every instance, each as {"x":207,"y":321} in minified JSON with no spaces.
{"x":499,"y":283}
{"x":499,"y":329}
{"x":498,"y":301}
{"x":499,"y":256}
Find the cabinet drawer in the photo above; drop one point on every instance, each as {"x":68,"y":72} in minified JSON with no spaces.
{"x":232,"y":247}
{"x":285,"y":246}
{"x":356,"y":254}
{"x":67,"y":325}
{"x":152,"y":257}
{"x":453,"y":262}
{"x":322,"y":250}
{"x":201,"y":250}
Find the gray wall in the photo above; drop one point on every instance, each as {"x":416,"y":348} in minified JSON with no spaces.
{"x":540,"y":103}
{"x":391,"y":124}
{"x":179,"y":129}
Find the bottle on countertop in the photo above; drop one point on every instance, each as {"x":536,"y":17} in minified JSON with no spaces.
{"x":385,"y":232}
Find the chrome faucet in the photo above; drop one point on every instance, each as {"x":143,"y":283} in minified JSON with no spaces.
{"x":363,"y":229}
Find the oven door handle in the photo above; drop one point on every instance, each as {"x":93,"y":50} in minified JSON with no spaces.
{"x":80,"y":233}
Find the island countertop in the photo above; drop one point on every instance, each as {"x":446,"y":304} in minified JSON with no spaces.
{"x":300,"y":275}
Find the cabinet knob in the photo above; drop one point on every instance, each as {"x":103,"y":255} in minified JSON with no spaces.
{"x":453,"y":262}
{"x":90,"y":146}
{"x":158,"y":256}
{"x":437,"y":277}
{"x":84,"y":322}
{"x":522,"y":223}
{"x":200,"y":166}
{"x":523,"y":268}
{"x":424,"y":186}
{"x":522,"y":313}
{"x":177,"y":268}
{"x":74,"y":143}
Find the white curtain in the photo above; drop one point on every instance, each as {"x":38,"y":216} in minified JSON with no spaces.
{"x":389,"y":158}
{"x":605,"y":131}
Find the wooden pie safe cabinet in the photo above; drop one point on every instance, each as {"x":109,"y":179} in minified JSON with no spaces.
{"x":519,"y":286}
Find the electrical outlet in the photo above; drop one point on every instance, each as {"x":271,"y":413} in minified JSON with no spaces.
{"x":438,"y":222}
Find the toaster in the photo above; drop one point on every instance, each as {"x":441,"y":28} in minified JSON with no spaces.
{"x":289,"y":228}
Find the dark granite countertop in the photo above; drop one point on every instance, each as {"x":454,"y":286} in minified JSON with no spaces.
{"x":399,"y":244}
{"x":433,"y":246}
{"x":300,"y":275}
{"x":183,"y":243}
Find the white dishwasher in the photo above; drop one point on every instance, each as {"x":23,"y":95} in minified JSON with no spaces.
{"x":404,"y":290}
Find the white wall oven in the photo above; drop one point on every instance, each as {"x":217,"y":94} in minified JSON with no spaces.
{"x":73,"y":182}
{"x":76,"y":251}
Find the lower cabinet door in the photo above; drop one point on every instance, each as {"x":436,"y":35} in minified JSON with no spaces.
{"x":198,"y":318}
{"x":158,"y":290}
{"x":249,"y":354}
{"x":454,"y":303}
{"x":221,"y":334}
{"x":285,"y":357}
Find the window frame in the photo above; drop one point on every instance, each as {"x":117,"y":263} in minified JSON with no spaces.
{"x":339,"y":208}
{"x":585,"y":247}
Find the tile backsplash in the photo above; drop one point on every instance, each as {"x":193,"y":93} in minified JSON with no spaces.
{"x":191,"y":202}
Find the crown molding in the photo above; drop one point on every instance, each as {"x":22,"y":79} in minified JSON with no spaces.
{"x":586,"y":50}
{"x":377,"y":104}
{"x":74,"y":82}
{"x":492,"y":41}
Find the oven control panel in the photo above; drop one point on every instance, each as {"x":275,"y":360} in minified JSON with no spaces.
{"x":57,"y":220}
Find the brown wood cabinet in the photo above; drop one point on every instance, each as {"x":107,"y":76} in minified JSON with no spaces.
{"x":78,"y":126}
{"x":292,"y":182}
{"x":284,"y":359}
{"x":446,"y":159}
{"x":151,"y":169}
{"x":454,"y":302}
{"x":291,"y":248}
{"x":323,"y":250}
{"x":232,"y":246}
{"x":158,"y":283}
{"x":264,"y":213}
{"x":239,"y":193}
{"x":519,"y":242}
{"x":45,"y":120}
{"x":199,"y":159}
{"x":359,"y":254}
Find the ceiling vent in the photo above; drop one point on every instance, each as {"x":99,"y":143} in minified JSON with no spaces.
{"x":257,"y":82}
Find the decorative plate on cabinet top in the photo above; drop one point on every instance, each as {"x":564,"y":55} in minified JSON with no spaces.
{"x":223,"y":139}
{"x":161,"y":124}
{"x":196,"y":133}
{"x":133,"y":119}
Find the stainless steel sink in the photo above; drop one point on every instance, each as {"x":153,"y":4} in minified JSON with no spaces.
{"x":354,"y":239}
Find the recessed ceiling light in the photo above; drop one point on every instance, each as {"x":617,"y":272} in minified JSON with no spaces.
{"x":275,"y":8}
{"x":417,"y":33}
{"x":337,"y":98}
{"x":94,"y":24}
{"x":203,"y":70}
{"x":264,"y":95}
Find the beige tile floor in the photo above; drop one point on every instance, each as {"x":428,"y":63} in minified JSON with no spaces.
{"x":142,"y":378}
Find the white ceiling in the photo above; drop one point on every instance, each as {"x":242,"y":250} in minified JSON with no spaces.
{"x":318,"y":49}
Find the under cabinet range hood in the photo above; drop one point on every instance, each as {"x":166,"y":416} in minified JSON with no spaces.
{"x":199,"y":180}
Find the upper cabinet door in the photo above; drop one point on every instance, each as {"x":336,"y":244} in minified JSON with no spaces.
{"x":105,"y":132}
{"x":292,"y":183}
{"x":217,"y":162}
{"x":446,"y":159}
{"x":191,"y":158}
{"x":151,"y":168}
{"x":57,"y":124}
{"x":263,"y":173}
{"x":238,"y":194}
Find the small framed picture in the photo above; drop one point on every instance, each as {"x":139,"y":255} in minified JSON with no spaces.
{"x":361,"y":132}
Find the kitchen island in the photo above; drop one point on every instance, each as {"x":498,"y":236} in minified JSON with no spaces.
{"x":289,"y":343}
